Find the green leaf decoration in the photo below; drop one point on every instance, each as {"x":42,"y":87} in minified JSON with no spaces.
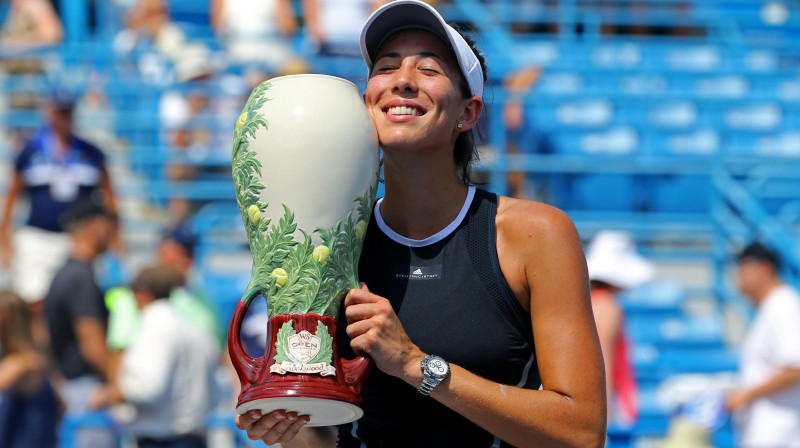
{"x":311,"y":286}
{"x":326,"y":345}
{"x":281,"y":350}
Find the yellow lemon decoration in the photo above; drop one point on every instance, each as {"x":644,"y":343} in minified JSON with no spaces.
{"x":242,"y":119}
{"x":321,"y":253}
{"x":361,"y":227}
{"x":280,"y":277}
{"x":254,"y":214}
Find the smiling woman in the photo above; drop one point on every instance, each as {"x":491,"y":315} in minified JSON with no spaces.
{"x":474,"y":307}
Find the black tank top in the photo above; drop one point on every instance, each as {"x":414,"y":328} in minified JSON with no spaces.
{"x":453,"y":301}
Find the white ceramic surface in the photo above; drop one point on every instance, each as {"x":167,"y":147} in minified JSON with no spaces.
{"x":319,"y":151}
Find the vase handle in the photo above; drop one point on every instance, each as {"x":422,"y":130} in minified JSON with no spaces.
{"x":247,"y":367}
{"x":355,"y":371}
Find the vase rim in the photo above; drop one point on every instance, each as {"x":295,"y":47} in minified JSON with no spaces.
{"x":312,"y":75}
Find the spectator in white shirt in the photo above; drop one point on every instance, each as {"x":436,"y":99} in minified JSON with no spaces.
{"x":768,"y":400}
{"x":167,"y":373}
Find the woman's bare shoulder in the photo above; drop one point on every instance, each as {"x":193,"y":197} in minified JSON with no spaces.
{"x":520,"y":217}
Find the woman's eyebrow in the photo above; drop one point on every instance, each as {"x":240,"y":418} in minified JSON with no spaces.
{"x":429,"y":54}
{"x":394,"y":54}
{"x":391,"y":55}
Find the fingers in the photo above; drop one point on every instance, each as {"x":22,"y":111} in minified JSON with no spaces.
{"x":246,"y":420}
{"x":360,"y":296}
{"x":292,"y":430}
{"x":275,"y":427}
{"x":379,"y":311}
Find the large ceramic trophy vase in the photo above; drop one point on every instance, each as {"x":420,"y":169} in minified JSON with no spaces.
{"x":305,"y":169}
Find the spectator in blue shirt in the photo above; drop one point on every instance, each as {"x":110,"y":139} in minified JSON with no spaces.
{"x":54,"y":170}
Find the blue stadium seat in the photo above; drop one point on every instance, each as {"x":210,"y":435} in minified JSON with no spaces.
{"x":672,"y":115}
{"x":654,"y":364}
{"x":722,"y":86}
{"x":682,"y":145}
{"x":679,"y":194}
{"x":226,"y":289}
{"x":662,"y":298}
{"x":607,"y":192}
{"x":754,"y":117}
{"x":686,"y":332}
{"x":190,"y":11}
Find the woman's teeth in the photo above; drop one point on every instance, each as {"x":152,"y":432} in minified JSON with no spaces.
{"x":403,"y":110}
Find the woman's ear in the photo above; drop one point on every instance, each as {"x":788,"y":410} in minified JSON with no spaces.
{"x":471,"y":113}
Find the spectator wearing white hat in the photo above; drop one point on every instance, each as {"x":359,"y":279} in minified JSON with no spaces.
{"x":614,"y":266}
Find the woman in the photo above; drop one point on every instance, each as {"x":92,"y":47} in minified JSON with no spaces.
{"x":451,"y":270}
{"x":28,"y":405}
{"x":614,"y":266}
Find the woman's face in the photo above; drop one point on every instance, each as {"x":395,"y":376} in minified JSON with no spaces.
{"x":413,"y":92}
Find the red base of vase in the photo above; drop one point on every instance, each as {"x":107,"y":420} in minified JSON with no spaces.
{"x":325,"y":406}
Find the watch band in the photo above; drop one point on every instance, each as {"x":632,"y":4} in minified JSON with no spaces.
{"x":426,"y":387}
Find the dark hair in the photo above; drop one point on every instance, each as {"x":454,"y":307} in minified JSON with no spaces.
{"x":81,"y":210}
{"x":15,"y":331}
{"x":466,"y":151}
{"x":182,"y":235}
{"x":760,"y":252}
{"x":158,"y":281}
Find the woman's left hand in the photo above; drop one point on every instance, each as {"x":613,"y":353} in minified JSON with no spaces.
{"x":376,"y":331}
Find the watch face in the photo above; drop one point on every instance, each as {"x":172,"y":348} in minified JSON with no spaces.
{"x":438,"y":367}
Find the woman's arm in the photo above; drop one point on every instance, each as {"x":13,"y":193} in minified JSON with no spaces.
{"x":312,"y":20}
{"x":542,"y":259}
{"x":216,"y":17}
{"x":5,"y":221}
{"x":287,"y":20}
{"x":16,"y":366}
{"x":783,"y":379}
{"x":608,"y":318}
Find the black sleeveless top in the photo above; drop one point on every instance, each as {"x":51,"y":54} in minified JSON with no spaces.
{"x":453,"y":301}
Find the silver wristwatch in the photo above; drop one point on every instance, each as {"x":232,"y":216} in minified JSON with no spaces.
{"x":434,"y":371}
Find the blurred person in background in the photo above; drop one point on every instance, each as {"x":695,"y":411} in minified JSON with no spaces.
{"x":77,"y":317}
{"x":333,"y":25}
{"x":175,"y":251}
{"x":165,"y":53}
{"x":55,"y":170}
{"x":29,"y":406}
{"x":150,"y":21}
{"x":256,"y":33}
{"x":767,"y":403}
{"x":168,"y":370}
{"x":522,"y":137}
{"x":28,"y":24}
{"x":614,"y":266}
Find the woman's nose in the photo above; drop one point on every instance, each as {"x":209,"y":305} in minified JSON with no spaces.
{"x":404,"y":80}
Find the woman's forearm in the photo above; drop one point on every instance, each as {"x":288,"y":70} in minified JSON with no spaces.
{"x":521,"y":417}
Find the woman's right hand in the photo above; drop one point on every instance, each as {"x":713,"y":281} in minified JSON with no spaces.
{"x":275,"y":427}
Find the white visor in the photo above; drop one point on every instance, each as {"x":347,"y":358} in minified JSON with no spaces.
{"x":412,"y":14}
